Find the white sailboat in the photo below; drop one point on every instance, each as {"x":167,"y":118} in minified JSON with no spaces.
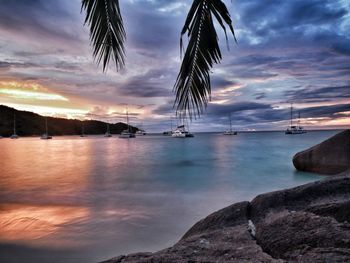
{"x":294,"y":129}
{"x":14,"y":135}
{"x":108,"y":133}
{"x":230,"y":132}
{"x":181,"y":132}
{"x":46,"y":135}
{"x":127,"y":133}
{"x":169,"y":133}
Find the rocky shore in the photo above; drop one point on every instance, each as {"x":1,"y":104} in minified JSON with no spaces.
{"x":308,"y":223}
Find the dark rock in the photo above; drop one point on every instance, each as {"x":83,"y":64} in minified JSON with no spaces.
{"x":309,"y":223}
{"x":232,"y":215}
{"x":329,"y":157}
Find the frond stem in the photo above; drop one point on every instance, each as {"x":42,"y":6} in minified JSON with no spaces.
{"x":189,"y":83}
{"x":108,"y":23}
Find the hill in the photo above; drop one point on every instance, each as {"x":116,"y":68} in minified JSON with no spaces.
{"x":32,"y":124}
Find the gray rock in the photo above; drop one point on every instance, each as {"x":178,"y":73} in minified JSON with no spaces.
{"x":309,"y":223}
{"x":329,"y":157}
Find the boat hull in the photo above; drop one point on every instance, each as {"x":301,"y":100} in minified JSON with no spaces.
{"x":126,"y":135}
{"x":230,"y":133}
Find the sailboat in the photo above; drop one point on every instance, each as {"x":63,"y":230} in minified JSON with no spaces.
{"x":14,"y":135}
{"x":108,"y":133}
{"x":169,"y":133}
{"x":46,"y":135}
{"x":230,"y":132}
{"x":294,"y":129}
{"x":127,"y":133}
{"x":82,"y":130}
{"x":181,"y":132}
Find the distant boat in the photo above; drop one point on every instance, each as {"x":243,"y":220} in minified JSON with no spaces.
{"x":169,"y":133}
{"x":294,"y":129}
{"x":180,"y":132}
{"x":46,"y":135}
{"x":14,"y":135}
{"x":82,"y":130}
{"x":230,"y":132}
{"x":141,"y":133}
{"x":127,"y":133}
{"x":108,"y":133}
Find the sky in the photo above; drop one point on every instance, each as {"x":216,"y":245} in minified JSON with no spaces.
{"x":288,"y":51}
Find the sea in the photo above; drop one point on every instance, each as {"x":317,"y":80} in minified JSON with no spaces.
{"x":73,"y":199}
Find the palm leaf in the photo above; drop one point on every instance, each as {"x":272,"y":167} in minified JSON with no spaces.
{"x":107,"y":32}
{"x":192,"y":87}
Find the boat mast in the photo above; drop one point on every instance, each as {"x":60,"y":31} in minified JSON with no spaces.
{"x":230,"y":123}
{"x":127,"y":119}
{"x":291,"y":114}
{"x":171,"y":123}
{"x":299,"y":119}
{"x":14,"y":123}
{"x":46,"y":125}
{"x":108,"y":128}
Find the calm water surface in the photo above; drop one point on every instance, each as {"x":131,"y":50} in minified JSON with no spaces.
{"x":74,"y":199}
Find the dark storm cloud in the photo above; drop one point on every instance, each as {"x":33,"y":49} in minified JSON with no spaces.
{"x":312,"y":94}
{"x":273,"y":17}
{"x":260,"y":95}
{"x":221,"y":82}
{"x":262,"y":113}
{"x":42,"y":21}
{"x":333,"y":111}
{"x":148,"y":85}
{"x":152,"y":32}
{"x":224,"y":109}
{"x":5,"y":65}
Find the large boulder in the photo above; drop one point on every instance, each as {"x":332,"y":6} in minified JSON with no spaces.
{"x":329,"y":157}
{"x":309,"y":223}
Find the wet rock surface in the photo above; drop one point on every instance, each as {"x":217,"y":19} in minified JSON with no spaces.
{"x":329,"y":157}
{"x":309,"y":223}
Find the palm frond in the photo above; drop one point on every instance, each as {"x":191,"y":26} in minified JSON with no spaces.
{"x":192,"y":87}
{"x":107,"y":32}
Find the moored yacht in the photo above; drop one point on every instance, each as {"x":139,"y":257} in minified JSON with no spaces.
{"x":46,"y":135}
{"x":108,"y":133}
{"x":230,"y":131}
{"x":170,"y":132}
{"x":14,"y":135}
{"x":127,"y":133}
{"x":294,"y":129}
{"x":82,"y":130}
{"x":180,"y":132}
{"x":140,"y":133}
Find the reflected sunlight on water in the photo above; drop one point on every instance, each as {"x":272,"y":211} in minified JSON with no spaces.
{"x":23,"y":223}
{"x":75,"y":199}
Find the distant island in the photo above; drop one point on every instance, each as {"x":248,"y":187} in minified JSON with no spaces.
{"x":32,"y":124}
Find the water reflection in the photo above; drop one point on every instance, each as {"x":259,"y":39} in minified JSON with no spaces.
{"x":85,"y":200}
{"x":29,"y":223}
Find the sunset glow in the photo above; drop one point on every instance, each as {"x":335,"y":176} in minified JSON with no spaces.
{"x":258,"y":78}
